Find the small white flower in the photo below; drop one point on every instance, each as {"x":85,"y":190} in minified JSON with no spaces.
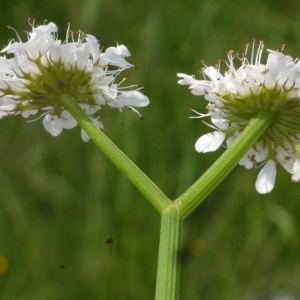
{"x":238,"y":95}
{"x":44,"y":67}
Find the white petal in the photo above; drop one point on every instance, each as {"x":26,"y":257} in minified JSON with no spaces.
{"x":262,"y":152}
{"x":122,"y":50}
{"x":277,"y":62}
{"x":213,"y":74}
{"x":219,"y":123}
{"x":7,"y":106}
{"x":67,"y":120}
{"x":266,"y":178}
{"x":296,"y":170}
{"x":133,"y":98}
{"x":53,"y":125}
{"x":187,"y":79}
{"x":27,"y":113}
{"x":94,"y":47}
{"x":42,"y":31}
{"x":284,"y":157}
{"x":85,"y":137}
{"x":201,"y":88}
{"x":114,"y":56}
{"x":247,"y":160}
{"x":230,"y":141}
{"x":210,"y":142}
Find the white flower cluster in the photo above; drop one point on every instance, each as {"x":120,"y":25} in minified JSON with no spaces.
{"x":44,"y":67}
{"x":237,"y":96}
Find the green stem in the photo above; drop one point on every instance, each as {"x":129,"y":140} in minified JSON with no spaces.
{"x":172,"y":212}
{"x":192,"y":198}
{"x":168,"y":271}
{"x":147,"y":188}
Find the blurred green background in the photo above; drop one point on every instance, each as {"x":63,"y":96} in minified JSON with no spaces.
{"x":73,"y":227}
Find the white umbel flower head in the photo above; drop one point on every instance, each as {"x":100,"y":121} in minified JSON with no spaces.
{"x":44,"y":67}
{"x":237,"y":96}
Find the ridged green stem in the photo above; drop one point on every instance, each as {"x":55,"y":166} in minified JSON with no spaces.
{"x":193,"y":197}
{"x":147,"y":188}
{"x":168,"y":269}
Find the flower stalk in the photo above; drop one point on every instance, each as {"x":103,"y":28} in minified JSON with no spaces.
{"x":193,"y":197}
{"x":172,"y":212}
{"x":168,"y":269}
{"x":142,"y":182}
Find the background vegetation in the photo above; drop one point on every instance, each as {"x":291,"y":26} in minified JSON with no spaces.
{"x":72,"y":227}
